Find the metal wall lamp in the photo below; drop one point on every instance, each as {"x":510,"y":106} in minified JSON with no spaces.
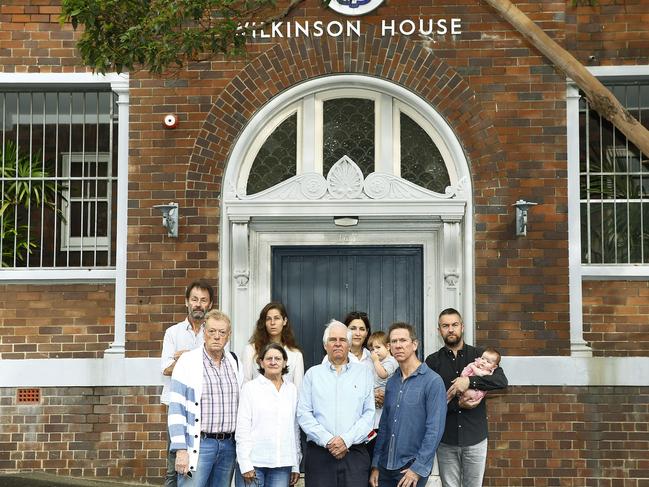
{"x":169,"y":218}
{"x":522,"y":208}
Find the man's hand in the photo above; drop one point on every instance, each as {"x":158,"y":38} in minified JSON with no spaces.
{"x":458,"y":386}
{"x":337,"y":447}
{"x":374,"y":477}
{"x":295,"y":476}
{"x":379,"y":395}
{"x":182,"y":462}
{"x":169,"y":370}
{"x":409,"y":479}
{"x":249,"y":476}
{"x":467,"y":403}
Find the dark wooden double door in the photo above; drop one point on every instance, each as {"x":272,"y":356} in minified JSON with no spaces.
{"x":318,"y":283}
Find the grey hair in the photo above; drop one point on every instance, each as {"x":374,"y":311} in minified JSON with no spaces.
{"x":336,"y":324}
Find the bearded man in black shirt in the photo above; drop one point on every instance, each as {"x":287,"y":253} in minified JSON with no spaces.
{"x":462,"y":454}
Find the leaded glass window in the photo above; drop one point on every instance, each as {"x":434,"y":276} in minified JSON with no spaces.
{"x":375,"y":130}
{"x":421,"y":161}
{"x":614,"y":183}
{"x":277,"y":158}
{"x":348,"y":129}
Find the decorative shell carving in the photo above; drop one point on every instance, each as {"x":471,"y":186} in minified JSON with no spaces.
{"x":345,"y":180}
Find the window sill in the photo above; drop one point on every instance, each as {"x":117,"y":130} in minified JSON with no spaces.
{"x":626,"y":272}
{"x":57,"y":275}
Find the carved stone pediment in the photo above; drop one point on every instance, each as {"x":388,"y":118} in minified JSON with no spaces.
{"x":345,"y":181}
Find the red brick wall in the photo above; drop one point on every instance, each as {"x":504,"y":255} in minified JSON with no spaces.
{"x":616,"y":317}
{"x":116,"y":432}
{"x":613,"y":32}
{"x":32,"y":40}
{"x":539,"y":436}
{"x":569,"y":437}
{"x":56,"y":321}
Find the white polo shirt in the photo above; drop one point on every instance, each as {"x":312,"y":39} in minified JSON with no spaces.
{"x":180,"y":336}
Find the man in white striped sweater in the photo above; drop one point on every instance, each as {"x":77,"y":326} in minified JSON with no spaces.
{"x":205,"y":387}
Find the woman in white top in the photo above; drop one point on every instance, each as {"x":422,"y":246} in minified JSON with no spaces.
{"x":273,"y":327}
{"x":359,"y":324}
{"x":267,"y":434}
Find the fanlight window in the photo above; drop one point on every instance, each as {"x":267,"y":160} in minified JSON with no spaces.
{"x":379,"y":133}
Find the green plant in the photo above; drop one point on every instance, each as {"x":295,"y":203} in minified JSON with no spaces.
{"x":619,"y":219}
{"x":24,"y":184}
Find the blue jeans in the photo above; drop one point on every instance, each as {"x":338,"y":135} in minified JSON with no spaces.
{"x":216,"y":462}
{"x":391,"y":478}
{"x":267,"y":477}
{"x":462,"y":466}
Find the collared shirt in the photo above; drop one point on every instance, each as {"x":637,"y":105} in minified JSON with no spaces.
{"x":220,"y":396}
{"x":412,"y":423}
{"x":337,"y":404}
{"x":464,"y":427}
{"x":180,"y":336}
{"x":267,"y":431}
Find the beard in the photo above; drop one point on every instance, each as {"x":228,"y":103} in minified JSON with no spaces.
{"x":451,"y":340}
{"x":198,"y":314}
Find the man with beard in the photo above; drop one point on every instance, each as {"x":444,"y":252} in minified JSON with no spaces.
{"x":462,"y":454}
{"x":180,"y":338}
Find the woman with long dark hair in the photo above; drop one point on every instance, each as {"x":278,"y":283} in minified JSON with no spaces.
{"x":273,"y":326}
{"x":359,"y":324}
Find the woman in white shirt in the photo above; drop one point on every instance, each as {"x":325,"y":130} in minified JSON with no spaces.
{"x":273,"y":327}
{"x":267,"y":434}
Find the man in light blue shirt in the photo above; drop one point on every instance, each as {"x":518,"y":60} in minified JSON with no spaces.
{"x":336,"y":411}
{"x":414,"y":414}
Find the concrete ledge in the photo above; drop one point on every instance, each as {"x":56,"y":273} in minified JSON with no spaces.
{"x":38,"y":479}
{"x":521,"y":371}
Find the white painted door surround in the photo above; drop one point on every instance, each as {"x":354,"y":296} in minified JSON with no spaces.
{"x":388,"y":209}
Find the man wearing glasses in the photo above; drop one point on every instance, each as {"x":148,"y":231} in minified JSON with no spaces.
{"x":413,"y":417}
{"x":336,"y":411}
{"x":204,"y":397}
{"x":180,"y":338}
{"x":462,"y":454}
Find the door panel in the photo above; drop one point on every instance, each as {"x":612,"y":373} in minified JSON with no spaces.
{"x":318,"y":283}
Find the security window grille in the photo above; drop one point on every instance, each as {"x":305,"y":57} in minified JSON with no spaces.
{"x":58,"y":179}
{"x":614,"y":181}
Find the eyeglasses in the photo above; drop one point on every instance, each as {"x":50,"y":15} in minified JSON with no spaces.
{"x":336,"y":340}
{"x":220,"y":333}
{"x":270,"y":360}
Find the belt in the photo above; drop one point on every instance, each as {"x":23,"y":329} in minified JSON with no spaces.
{"x":217,"y":436}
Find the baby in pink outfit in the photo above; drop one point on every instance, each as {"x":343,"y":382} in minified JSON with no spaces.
{"x":484,"y":365}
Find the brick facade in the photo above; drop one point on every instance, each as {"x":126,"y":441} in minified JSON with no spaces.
{"x":616,"y":317}
{"x":540,"y":436}
{"x":105,"y":432}
{"x":56,"y":321}
{"x":505,"y":102}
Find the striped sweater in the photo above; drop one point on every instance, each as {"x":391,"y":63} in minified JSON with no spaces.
{"x":185,"y":402}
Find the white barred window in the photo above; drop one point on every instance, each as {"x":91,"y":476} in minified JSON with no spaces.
{"x":614,"y":182}
{"x":58,"y":179}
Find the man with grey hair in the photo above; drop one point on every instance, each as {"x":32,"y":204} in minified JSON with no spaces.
{"x":336,"y":411}
{"x":203,"y":405}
